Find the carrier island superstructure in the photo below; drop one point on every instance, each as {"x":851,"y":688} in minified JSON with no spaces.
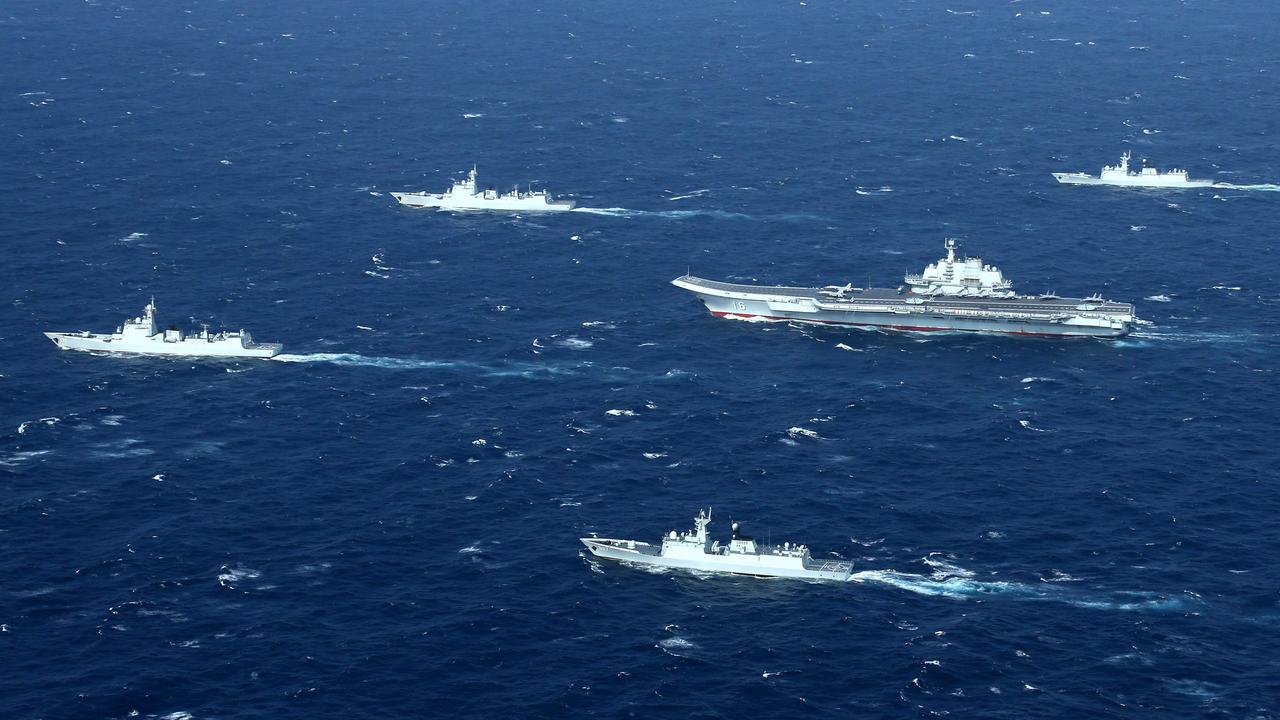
{"x":952,"y":294}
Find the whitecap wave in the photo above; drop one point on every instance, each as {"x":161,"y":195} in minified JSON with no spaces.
{"x":126,"y":448}
{"x":942,"y":568}
{"x":21,"y":456}
{"x":1027,"y":424}
{"x":47,"y":421}
{"x":232,"y":575}
{"x":676,"y":646}
{"x":575,"y":343}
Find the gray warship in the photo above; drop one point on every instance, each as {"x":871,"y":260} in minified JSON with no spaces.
{"x":465,"y":195}
{"x":1122,"y":176}
{"x":694,"y":550}
{"x":952,"y":294}
{"x":142,"y":336}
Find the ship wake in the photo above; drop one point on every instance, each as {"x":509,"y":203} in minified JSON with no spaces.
{"x":670,"y":214}
{"x":522,"y":370}
{"x":1262,"y":187}
{"x":700,"y":213}
{"x":963,"y":587}
{"x":1195,"y":337}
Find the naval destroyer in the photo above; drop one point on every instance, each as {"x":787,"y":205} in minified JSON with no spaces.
{"x":464,"y":196}
{"x":952,"y":294}
{"x":694,"y":550}
{"x":1145,"y":178}
{"x":140,"y":336}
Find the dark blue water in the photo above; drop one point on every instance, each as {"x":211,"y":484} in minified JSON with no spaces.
{"x":387,"y":525}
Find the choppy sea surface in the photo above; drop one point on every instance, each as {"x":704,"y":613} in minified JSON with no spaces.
{"x":383,"y":522}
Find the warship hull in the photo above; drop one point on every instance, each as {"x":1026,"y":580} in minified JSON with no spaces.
{"x":763,"y":565}
{"x":889,"y":309}
{"x":188,"y":347}
{"x":448,"y":202}
{"x":1132,"y":181}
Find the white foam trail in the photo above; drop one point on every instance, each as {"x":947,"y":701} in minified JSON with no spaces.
{"x":966,"y":588}
{"x":524,"y":370}
{"x":1193,"y":337}
{"x":754,"y":319}
{"x":671,"y":214}
{"x":717,"y":214}
{"x":615,"y":212}
{"x":1262,"y":187}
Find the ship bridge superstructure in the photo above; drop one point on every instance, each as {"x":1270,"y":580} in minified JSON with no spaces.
{"x":466,"y":187}
{"x":694,"y":541}
{"x":142,"y":327}
{"x":1122,"y":171}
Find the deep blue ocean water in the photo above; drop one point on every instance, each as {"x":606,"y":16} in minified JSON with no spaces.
{"x":386,"y":524}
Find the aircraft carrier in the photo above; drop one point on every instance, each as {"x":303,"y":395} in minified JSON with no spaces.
{"x":953,"y":294}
